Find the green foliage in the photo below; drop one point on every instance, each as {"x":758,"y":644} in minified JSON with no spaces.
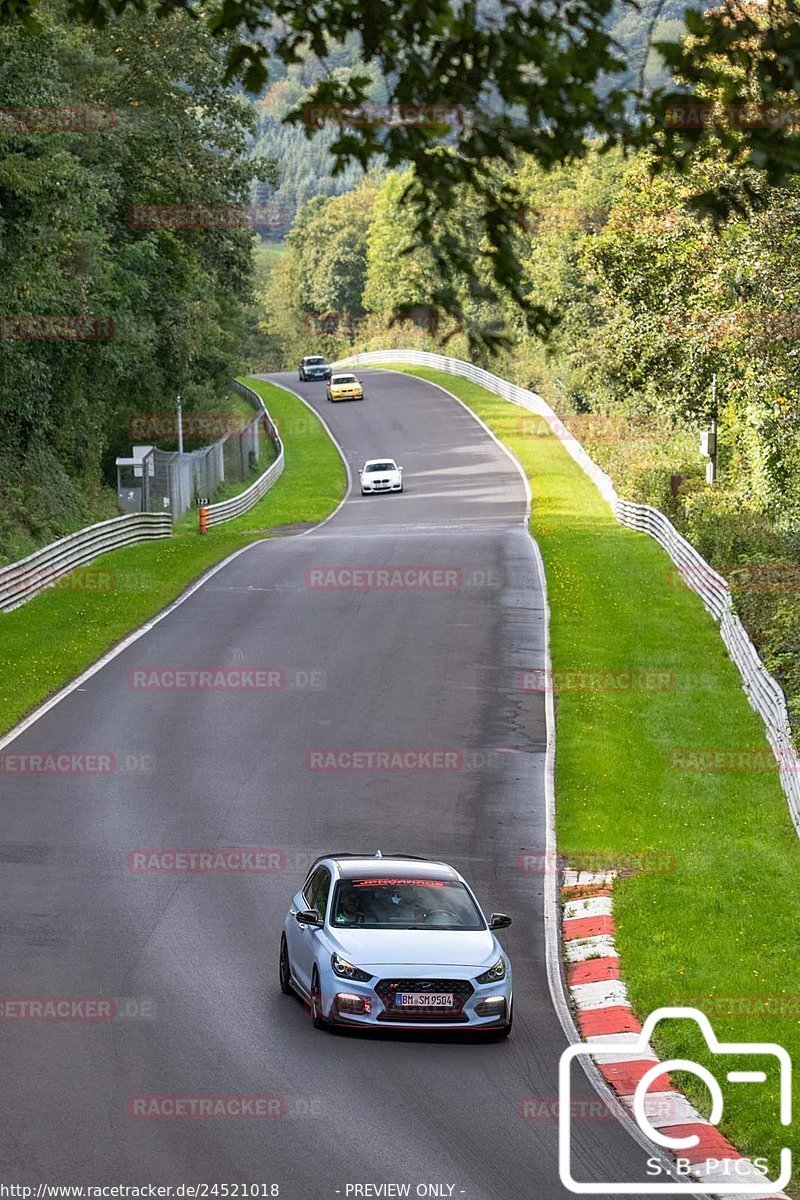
{"x":62,"y":631}
{"x":720,"y":835}
{"x":305,"y":165}
{"x":652,"y":300}
{"x":68,"y":247}
{"x":395,"y":275}
{"x":312,"y":300}
{"x":330,"y":243}
{"x":517,"y":79}
{"x":727,"y":528}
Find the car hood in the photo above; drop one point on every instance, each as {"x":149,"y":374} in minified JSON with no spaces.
{"x":370,"y":475}
{"x":416,"y":947}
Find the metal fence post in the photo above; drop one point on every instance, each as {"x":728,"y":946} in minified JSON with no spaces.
{"x":762,"y":690}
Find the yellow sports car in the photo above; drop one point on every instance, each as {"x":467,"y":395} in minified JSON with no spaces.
{"x":345,"y":387}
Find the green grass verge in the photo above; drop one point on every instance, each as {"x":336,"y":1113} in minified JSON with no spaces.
{"x":58,"y":634}
{"x":720,"y":928}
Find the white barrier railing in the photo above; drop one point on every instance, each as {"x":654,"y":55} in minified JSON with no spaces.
{"x":226,"y":510}
{"x":21,"y":581}
{"x":763,"y":692}
{"x":24,"y":579}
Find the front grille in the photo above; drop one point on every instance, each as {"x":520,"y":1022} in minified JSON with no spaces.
{"x":461,"y":990}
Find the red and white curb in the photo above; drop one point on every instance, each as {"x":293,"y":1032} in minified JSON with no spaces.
{"x":604,"y":1015}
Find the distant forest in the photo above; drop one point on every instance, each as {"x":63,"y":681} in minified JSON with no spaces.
{"x":304,"y":164}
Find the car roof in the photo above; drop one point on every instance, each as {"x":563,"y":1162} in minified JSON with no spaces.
{"x":307,"y":357}
{"x":371,"y":461}
{"x":388,"y":866}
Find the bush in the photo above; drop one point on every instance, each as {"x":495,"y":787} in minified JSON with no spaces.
{"x":727,"y":530}
{"x":40,"y":502}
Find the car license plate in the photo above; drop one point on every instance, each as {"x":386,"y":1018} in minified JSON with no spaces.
{"x":425,"y":999}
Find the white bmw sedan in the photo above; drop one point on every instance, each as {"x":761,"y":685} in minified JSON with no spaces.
{"x":381,"y":475}
{"x":396,"y":942}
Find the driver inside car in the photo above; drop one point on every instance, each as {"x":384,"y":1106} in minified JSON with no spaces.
{"x":350,"y":909}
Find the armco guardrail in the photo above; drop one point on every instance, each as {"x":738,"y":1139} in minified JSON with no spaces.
{"x":763,"y":692}
{"x":24,"y":579}
{"x":226,"y":510}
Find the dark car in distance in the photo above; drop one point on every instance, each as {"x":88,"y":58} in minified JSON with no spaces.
{"x":314,"y":366}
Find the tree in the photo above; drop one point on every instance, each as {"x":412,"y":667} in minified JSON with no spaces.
{"x":171,"y":300}
{"x":513,"y":78}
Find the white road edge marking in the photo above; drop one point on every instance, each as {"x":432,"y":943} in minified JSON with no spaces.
{"x":508,"y":453}
{"x":555,"y":978}
{"x":269,"y":379}
{"x":110,"y":655}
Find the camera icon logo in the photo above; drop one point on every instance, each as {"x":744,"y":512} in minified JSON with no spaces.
{"x":639,"y":1048}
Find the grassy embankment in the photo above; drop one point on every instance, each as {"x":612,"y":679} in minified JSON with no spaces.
{"x":717,"y":926}
{"x":59,"y":633}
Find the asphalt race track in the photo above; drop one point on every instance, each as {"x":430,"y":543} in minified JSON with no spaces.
{"x":430,"y":667}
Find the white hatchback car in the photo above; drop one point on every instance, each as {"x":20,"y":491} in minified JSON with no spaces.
{"x":397,"y":942}
{"x":381,"y":475}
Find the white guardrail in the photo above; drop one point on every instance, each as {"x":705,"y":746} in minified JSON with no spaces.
{"x":226,"y":510}
{"x":24,"y":579}
{"x":762,"y":690}
{"x":21,"y":581}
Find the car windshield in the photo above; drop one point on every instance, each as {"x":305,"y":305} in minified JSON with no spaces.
{"x":345,"y":379}
{"x":404,"y":904}
{"x":315,"y":362}
{"x":371,"y":468}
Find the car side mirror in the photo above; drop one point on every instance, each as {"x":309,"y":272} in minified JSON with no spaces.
{"x":499,"y":921}
{"x":309,"y":916}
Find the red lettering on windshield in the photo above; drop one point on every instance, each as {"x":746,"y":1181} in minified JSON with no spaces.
{"x":397,"y":882}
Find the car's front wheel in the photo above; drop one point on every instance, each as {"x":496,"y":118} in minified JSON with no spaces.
{"x":317,"y":1019}
{"x":285,"y":969}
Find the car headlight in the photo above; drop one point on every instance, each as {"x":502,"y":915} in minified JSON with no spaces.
{"x":498,"y":971}
{"x":347,"y":971}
